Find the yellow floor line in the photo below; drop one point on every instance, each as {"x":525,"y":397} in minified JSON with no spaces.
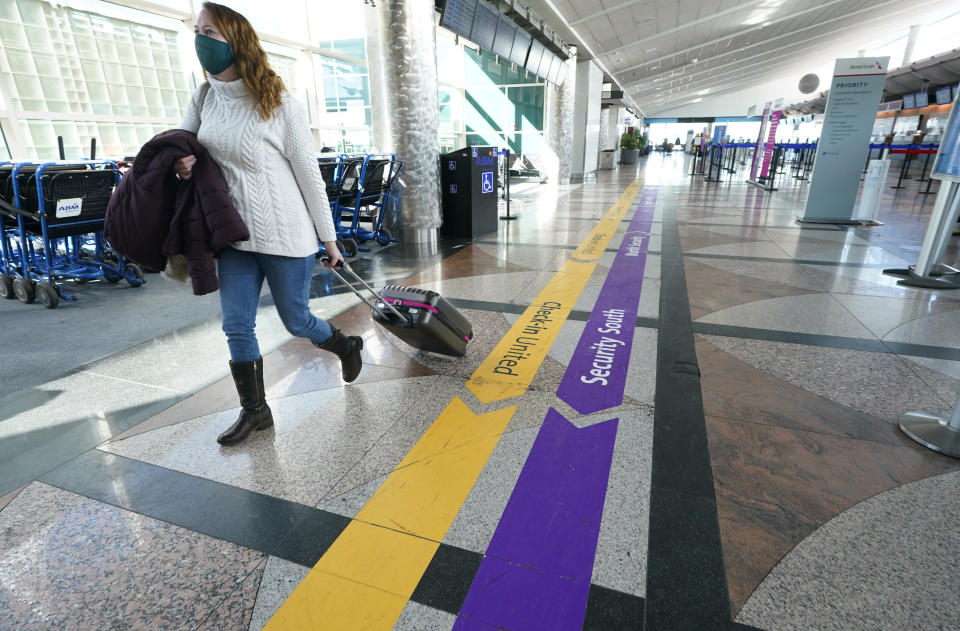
{"x":511,"y":366}
{"x":369,"y":573}
{"x":367,"y":576}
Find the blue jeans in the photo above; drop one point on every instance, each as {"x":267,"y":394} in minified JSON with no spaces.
{"x":241,"y":277}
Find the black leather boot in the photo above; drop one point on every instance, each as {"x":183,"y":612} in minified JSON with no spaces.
{"x":348,"y":350}
{"x":255,"y":413}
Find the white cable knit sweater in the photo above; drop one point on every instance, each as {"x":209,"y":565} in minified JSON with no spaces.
{"x":270,"y":168}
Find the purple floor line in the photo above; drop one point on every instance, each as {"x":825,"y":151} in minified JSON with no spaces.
{"x":597,"y":374}
{"x":537,"y":569}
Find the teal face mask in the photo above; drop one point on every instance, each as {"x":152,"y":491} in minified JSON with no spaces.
{"x":215,"y":56}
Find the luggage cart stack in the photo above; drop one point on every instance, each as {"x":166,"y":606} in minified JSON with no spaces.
{"x":365,"y":192}
{"x":340,"y":173}
{"x":53,"y":214}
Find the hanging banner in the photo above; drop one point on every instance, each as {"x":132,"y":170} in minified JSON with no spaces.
{"x":855,"y":92}
{"x":756,"y":148}
{"x":770,"y":144}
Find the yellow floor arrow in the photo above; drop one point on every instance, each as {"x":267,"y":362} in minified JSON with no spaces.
{"x":367,"y":576}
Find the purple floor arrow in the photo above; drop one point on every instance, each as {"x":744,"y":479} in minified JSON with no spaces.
{"x":597,"y":373}
{"x":536,"y":573}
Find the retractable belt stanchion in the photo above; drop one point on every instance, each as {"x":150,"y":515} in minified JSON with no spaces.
{"x":924,"y":175}
{"x":904,"y":167}
{"x":776,"y":163}
{"x":930,"y":272}
{"x":506,"y":184}
{"x":715,"y":170}
{"x":926,"y":163}
{"x":940,"y":433}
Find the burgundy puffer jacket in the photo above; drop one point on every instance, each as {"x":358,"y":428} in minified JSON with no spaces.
{"x":153,"y":214}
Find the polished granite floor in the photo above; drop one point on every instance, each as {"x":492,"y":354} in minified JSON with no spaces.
{"x":679,"y":411}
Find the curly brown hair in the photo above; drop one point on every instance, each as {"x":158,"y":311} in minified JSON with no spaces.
{"x":265,"y":86}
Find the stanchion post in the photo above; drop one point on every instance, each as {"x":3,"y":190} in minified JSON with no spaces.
{"x":923,"y":172}
{"x":506,"y":184}
{"x":939,"y":433}
{"x":927,"y":190}
{"x":903,"y":167}
{"x":930,"y":272}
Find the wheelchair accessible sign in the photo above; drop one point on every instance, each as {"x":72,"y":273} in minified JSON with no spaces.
{"x":486,"y":182}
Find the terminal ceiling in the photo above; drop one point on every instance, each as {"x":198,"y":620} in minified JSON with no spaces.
{"x":665,"y":54}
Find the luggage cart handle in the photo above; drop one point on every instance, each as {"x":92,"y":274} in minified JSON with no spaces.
{"x":343,"y":265}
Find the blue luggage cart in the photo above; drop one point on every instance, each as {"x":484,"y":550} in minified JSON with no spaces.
{"x":366,"y":191}
{"x":59,"y":210}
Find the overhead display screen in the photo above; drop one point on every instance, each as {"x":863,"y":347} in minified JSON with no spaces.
{"x":521,"y":46}
{"x":535,"y":56}
{"x":923,"y":99}
{"x":559,"y":67}
{"x":503,"y":42}
{"x":458,"y":16}
{"x":484,"y":25}
{"x":909,"y":101}
{"x":943,"y":96}
{"x":545,"y":64}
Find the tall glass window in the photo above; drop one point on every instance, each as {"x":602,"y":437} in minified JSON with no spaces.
{"x":503,"y":105}
{"x":59,"y":64}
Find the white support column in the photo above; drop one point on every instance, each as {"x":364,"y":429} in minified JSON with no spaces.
{"x":557,"y":161}
{"x":911,"y":42}
{"x":586,"y":125}
{"x":402,"y":57}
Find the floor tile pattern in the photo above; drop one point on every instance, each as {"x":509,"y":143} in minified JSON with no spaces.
{"x":70,"y":562}
{"x":789,"y":496}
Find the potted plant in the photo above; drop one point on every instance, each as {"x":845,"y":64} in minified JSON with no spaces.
{"x":643,"y":145}
{"x":630,"y":148}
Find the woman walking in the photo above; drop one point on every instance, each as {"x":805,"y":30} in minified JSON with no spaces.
{"x":260,"y":138}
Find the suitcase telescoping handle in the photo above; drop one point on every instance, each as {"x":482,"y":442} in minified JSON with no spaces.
{"x":345,"y":267}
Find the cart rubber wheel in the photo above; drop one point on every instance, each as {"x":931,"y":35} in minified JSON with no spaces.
{"x":24,"y":290}
{"x":47,"y":296}
{"x":137,"y":272}
{"x":6,"y":287}
{"x":350,"y":246}
{"x":111,"y":276}
{"x":384,"y":237}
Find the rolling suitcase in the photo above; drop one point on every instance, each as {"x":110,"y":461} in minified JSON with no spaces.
{"x":420,"y":317}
